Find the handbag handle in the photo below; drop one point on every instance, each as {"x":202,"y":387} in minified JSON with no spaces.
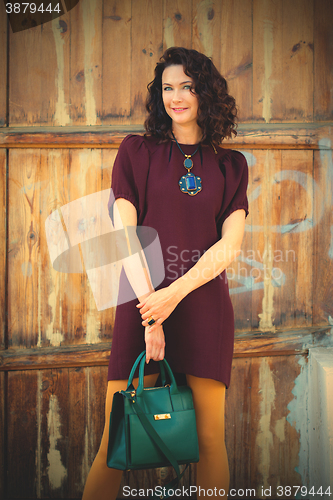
{"x":165,"y":364}
{"x":134,"y":367}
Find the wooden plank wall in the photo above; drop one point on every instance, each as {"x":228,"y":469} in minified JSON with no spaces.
{"x":72,"y":89}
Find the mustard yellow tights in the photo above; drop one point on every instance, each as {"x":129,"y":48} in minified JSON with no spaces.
{"x":212,"y":470}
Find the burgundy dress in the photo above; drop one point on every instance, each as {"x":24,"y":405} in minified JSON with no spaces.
{"x":199,"y":333}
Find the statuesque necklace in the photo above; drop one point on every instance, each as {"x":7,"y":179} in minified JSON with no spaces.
{"x":189,"y":183}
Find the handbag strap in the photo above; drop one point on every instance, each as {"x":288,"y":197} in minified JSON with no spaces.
{"x":134,"y":367}
{"x":157,"y":440}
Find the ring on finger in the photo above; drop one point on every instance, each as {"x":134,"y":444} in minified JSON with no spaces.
{"x":151,"y":321}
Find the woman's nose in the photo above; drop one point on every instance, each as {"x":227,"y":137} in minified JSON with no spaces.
{"x":176,"y":96}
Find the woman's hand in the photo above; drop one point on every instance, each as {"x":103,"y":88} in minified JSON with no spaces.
{"x":155,"y":343}
{"x":159,"y":305}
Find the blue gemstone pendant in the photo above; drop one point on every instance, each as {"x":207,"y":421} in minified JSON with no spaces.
{"x":190,"y":184}
{"x":188,"y":163}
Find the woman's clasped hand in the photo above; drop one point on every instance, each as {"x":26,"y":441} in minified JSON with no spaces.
{"x":158,"y":305}
{"x":155,"y":343}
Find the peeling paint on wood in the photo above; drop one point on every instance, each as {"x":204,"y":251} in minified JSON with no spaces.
{"x":61,"y":115}
{"x":280,"y":429}
{"x":298,"y":418}
{"x":267,"y":84}
{"x":56,"y":470}
{"x":325,"y":146}
{"x":264,"y":439}
{"x":266,"y":317}
{"x":39,"y":302}
{"x":55,"y":337}
{"x":89,"y":436}
{"x":168,"y":33}
{"x":88,"y":15}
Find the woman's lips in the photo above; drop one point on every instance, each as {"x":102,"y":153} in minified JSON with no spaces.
{"x":178,"y":110}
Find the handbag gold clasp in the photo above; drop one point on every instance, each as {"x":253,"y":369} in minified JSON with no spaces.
{"x":162,"y":416}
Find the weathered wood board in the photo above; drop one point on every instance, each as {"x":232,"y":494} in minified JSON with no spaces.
{"x":3,"y":66}
{"x":262,"y":445}
{"x":59,"y":416}
{"x":71,"y":90}
{"x":3,"y":246}
{"x":3,"y":434}
{"x":96,"y":60}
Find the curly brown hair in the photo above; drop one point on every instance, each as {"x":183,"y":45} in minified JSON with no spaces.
{"x":216,"y":108}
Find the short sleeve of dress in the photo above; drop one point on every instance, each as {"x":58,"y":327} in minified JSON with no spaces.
{"x":129,"y":174}
{"x":235,"y":170}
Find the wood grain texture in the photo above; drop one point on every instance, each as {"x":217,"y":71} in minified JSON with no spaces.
{"x":264,"y":194}
{"x":297,"y":61}
{"x":23,"y":247}
{"x":47,"y":307}
{"x":3,"y":245}
{"x":239,"y":272}
{"x":117,"y":56}
{"x":274,"y":445}
{"x":86,"y":414}
{"x":86,"y":63}
{"x":62,"y":413}
{"x":267,"y":61}
{"x":236,"y":53}
{"x":238,"y":426}
{"x":53,"y":432}
{"x":323,"y":239}
{"x":60,"y":45}
{"x":177,"y":23}
{"x":147,"y":47}
{"x":297,"y":195}
{"x":53,"y":74}
{"x":262,"y":446}
{"x":206,"y":31}
{"x":249,"y":136}
{"x":3,"y":66}
{"x":3,"y":434}
{"x":323,"y":60}
{"x":247,"y":344}
{"x":33,"y":94}
{"x":119,"y":52}
{"x":24,"y":85}
{"x":22,"y":434}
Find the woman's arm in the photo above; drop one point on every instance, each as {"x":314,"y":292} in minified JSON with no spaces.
{"x":125,"y":217}
{"x":137,"y":272}
{"x":160,"y":304}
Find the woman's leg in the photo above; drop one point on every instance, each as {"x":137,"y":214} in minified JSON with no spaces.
{"x":212,"y":468}
{"x":103,"y":483}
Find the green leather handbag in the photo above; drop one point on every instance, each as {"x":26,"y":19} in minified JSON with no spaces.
{"x":154,"y":426}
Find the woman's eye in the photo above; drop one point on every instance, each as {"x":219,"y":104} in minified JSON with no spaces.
{"x":187,"y":87}
{"x":167,"y":88}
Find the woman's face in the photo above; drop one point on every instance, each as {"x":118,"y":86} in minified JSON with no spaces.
{"x":180,"y":103}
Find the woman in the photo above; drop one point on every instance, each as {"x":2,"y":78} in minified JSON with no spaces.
{"x":177,"y":180}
